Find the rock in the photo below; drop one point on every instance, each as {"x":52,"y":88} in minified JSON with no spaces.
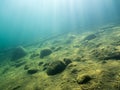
{"x":90,"y":37}
{"x":26,"y":67}
{"x":67,"y":61}
{"x":74,"y":71}
{"x":55,"y":67}
{"x":45,"y":66}
{"x":32,"y":71}
{"x":83,"y":79}
{"x":40,"y":63}
{"x":18,"y":53}
{"x":45,"y":52}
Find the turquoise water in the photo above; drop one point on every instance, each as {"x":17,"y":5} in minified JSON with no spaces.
{"x":26,"y":21}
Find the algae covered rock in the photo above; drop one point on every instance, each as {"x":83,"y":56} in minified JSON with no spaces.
{"x":67,"y":61}
{"x":83,"y":79}
{"x":55,"y":67}
{"x":18,"y":53}
{"x":45,"y":52}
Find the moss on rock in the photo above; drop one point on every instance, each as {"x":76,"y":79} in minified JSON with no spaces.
{"x":55,"y":67}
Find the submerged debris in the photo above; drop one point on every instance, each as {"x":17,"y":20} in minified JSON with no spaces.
{"x":55,"y":67}
{"x":45,"y":52}
{"x":18,"y":53}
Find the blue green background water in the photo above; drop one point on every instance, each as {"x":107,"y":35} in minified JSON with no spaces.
{"x":24,"y":21}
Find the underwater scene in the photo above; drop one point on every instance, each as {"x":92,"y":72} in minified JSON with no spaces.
{"x":59,"y":44}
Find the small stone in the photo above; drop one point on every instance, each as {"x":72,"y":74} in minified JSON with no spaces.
{"x":40,"y":63}
{"x":32,"y":71}
{"x":83,"y":79}
{"x":26,"y":67}
{"x":103,"y":62}
{"x":55,"y":67}
{"x":67,"y":61}
{"x":44,"y":68}
{"x":45,"y":52}
{"x":74,"y":71}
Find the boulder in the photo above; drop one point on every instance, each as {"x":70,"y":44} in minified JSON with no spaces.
{"x":55,"y":67}
{"x":45,"y":52}
{"x":18,"y":53}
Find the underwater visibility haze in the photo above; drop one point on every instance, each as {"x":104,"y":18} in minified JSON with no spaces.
{"x":59,"y":44}
{"x":24,"y":21}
